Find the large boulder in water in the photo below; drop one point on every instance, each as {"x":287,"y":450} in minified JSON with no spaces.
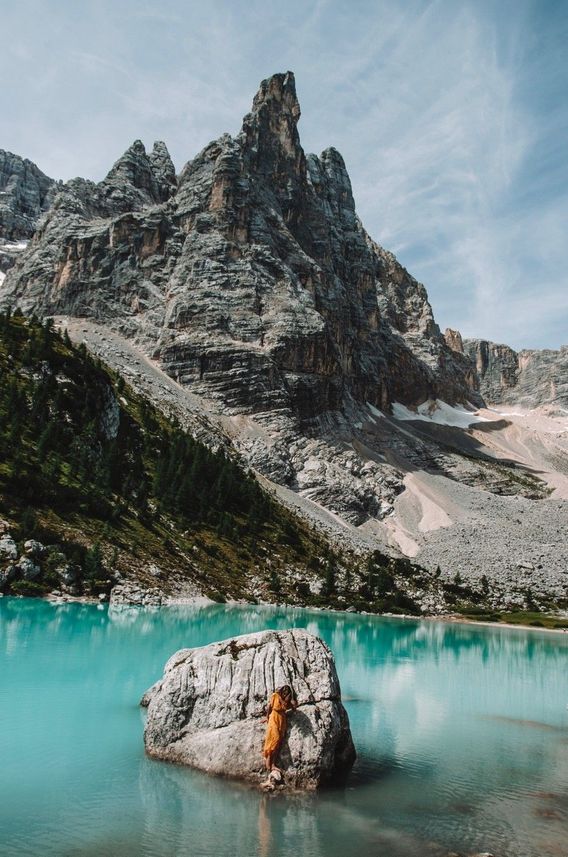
{"x":207,"y":710}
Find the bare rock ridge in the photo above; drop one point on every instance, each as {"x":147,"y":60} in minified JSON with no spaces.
{"x":25,"y":194}
{"x":529,"y":377}
{"x":207,"y":710}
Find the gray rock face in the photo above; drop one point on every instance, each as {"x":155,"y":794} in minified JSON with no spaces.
{"x":8,"y":548}
{"x":252,"y":278}
{"x":207,"y":710}
{"x":128,"y":593}
{"x":28,"y":568}
{"x":7,"y":575}
{"x":25,"y":194}
{"x":529,"y":377}
{"x":33,"y":548}
{"x":67,"y":574}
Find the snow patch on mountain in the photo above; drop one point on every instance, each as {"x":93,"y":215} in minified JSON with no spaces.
{"x":438,"y":411}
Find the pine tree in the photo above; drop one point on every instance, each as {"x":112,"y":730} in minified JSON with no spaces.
{"x":93,"y":564}
{"x":47,"y":440}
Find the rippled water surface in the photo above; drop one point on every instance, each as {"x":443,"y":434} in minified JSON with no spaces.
{"x":462,"y":735}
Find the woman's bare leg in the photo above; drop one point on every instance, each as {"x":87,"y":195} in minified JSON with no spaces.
{"x":270,"y":763}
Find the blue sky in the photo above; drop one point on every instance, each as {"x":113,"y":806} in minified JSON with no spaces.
{"x":452,"y":117}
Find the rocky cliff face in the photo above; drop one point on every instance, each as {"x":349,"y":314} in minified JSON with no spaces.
{"x":251,"y":277}
{"x":25,"y":194}
{"x":529,"y":378}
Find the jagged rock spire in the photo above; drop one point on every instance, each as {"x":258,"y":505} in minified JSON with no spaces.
{"x":269,"y":134}
{"x":163,"y":166}
{"x":153,"y":175}
{"x":278,"y":91}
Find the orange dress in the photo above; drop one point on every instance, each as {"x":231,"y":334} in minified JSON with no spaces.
{"x":276,"y":727}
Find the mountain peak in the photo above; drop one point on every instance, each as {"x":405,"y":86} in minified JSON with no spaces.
{"x":162,"y":164}
{"x":278,"y":94}
{"x":128,"y":166}
{"x":269,"y":135}
{"x":152,"y":175}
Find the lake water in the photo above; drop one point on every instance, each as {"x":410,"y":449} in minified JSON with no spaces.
{"x":461,"y":731}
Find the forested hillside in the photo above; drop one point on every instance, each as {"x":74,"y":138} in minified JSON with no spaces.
{"x":116,"y":489}
{"x":97,"y":486}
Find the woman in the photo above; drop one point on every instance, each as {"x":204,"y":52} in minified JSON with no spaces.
{"x":281,"y":702}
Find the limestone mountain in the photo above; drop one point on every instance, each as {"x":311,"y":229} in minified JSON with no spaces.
{"x":25,"y":194}
{"x":254,"y":258}
{"x":250,"y":281}
{"x":528,"y":377}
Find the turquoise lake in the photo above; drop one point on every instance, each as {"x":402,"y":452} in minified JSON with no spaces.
{"x":461,"y":731}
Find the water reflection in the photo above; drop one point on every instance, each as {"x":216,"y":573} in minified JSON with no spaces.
{"x":461,"y":731}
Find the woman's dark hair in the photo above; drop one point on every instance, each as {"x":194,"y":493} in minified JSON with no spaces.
{"x":286,"y":691}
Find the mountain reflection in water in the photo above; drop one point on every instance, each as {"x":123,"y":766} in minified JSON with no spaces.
{"x":461,"y":733}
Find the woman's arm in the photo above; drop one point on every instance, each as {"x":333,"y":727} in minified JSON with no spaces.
{"x":293,"y":704}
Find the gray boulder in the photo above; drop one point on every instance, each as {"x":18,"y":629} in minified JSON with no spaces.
{"x":7,"y":575}
{"x":207,"y":710}
{"x":33,"y":548}
{"x":28,"y":568}
{"x":67,"y":574}
{"x":69,"y":577}
{"x":8,"y":548}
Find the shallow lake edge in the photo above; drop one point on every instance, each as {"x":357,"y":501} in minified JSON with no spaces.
{"x":449,"y":618}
